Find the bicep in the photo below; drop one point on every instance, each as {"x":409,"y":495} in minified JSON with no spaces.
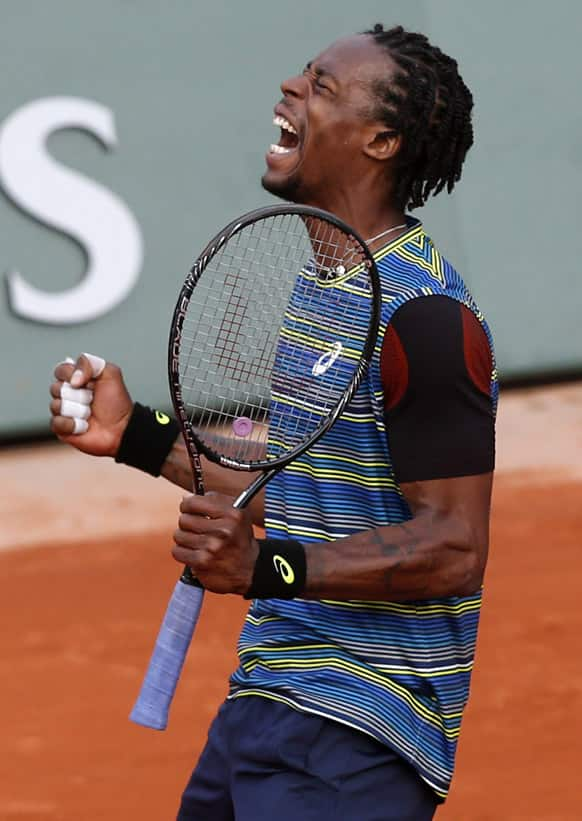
{"x":467,"y":498}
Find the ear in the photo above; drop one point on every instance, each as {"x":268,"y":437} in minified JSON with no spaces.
{"x":382,"y":144}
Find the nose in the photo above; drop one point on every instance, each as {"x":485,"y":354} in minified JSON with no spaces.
{"x":295,"y":86}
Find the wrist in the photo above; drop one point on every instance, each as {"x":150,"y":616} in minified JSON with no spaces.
{"x":279,"y":571}
{"x":147,"y":439}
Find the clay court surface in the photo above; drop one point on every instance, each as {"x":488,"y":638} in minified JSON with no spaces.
{"x":86,"y":572}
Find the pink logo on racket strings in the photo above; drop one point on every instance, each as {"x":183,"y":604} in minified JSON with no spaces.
{"x":242,"y":426}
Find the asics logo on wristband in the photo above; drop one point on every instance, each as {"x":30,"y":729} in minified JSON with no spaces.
{"x":284,"y":569}
{"x":162,"y":418}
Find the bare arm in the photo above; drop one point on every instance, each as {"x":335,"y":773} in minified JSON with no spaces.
{"x":441,"y":551}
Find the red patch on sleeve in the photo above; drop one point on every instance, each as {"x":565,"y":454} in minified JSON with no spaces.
{"x":478,"y":359}
{"x":393,"y":369}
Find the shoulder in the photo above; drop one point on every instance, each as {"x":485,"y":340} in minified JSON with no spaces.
{"x":437,"y":379}
{"x":413,"y":265}
{"x":435,"y":323}
{"x":437,"y":339}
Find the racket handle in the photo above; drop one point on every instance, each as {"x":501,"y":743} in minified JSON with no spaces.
{"x":157,"y":691}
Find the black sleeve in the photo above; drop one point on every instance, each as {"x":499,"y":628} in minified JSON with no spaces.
{"x":439,"y":415}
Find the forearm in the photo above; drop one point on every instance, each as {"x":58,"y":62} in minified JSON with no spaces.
{"x":178,"y":470}
{"x":424,"y":558}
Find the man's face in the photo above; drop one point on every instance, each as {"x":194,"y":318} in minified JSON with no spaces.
{"x":324,"y":125}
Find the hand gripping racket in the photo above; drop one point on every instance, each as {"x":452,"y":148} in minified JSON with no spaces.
{"x":272,"y":334}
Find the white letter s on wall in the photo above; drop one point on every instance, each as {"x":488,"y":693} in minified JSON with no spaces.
{"x":73,"y":204}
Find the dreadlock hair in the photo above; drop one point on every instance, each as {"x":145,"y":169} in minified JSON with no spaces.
{"x":430,"y":106}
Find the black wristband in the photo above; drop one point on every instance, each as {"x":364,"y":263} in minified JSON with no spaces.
{"x":279,"y":571}
{"x":147,"y":439}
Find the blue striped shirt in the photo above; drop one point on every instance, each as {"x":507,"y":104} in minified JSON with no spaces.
{"x":397,"y":671}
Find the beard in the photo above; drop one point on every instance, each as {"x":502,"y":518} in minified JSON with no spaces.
{"x":288,"y":189}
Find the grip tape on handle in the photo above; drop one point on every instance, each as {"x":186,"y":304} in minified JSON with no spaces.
{"x":153,"y":703}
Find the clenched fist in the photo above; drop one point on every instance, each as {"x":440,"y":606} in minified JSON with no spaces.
{"x":103,"y":401}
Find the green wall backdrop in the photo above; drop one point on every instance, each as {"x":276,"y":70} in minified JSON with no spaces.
{"x":155,"y":119}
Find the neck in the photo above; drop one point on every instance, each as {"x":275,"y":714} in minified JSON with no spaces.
{"x":370,"y":212}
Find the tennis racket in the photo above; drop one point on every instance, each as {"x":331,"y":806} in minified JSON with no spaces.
{"x":272,"y":334}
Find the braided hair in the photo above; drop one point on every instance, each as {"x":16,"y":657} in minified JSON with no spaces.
{"x":429,"y":105}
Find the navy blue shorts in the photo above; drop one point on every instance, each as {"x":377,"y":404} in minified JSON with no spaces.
{"x":267,"y":762}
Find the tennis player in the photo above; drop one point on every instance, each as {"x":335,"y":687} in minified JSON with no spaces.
{"x":348,"y":699}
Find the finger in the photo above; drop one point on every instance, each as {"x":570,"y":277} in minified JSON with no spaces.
{"x":87,"y":367}
{"x":76,"y":410}
{"x":198,"y":560}
{"x":63,"y":366}
{"x":97,"y":364}
{"x":80,"y":426}
{"x":81,"y":395}
{"x":63,"y":371}
{"x":215,"y":505}
{"x":210,"y":542}
{"x":62,"y":425}
{"x":189,"y":541}
{"x":82,"y":373}
{"x":200,"y":525}
{"x":67,"y":426}
{"x":63,"y":390}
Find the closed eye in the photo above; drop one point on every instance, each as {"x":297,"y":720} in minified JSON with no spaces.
{"x":315,"y":78}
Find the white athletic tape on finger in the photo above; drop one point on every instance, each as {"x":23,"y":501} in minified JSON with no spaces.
{"x":97,"y":364}
{"x":81,"y":426}
{"x":82,"y":395}
{"x":74,"y":409}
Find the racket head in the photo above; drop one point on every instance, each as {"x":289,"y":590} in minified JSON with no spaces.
{"x":271,"y":336}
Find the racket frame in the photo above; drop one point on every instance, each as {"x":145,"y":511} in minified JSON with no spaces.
{"x":153,"y":703}
{"x":193,"y":444}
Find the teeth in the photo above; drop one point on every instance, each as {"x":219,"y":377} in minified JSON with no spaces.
{"x":279,"y":149}
{"x":281,"y":122}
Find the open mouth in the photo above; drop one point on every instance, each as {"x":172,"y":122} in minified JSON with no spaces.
{"x":288,"y":141}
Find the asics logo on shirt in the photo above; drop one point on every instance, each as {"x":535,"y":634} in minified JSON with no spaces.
{"x":326,"y":360}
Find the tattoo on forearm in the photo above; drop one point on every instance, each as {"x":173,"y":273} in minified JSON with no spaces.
{"x":406,"y":550}
{"x":388,"y":549}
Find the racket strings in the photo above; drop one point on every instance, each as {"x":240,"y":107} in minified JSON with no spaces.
{"x":315,"y":407}
{"x":272,"y":335}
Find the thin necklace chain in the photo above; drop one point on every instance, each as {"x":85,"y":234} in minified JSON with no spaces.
{"x":340,"y":269}
{"x":387,"y":231}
